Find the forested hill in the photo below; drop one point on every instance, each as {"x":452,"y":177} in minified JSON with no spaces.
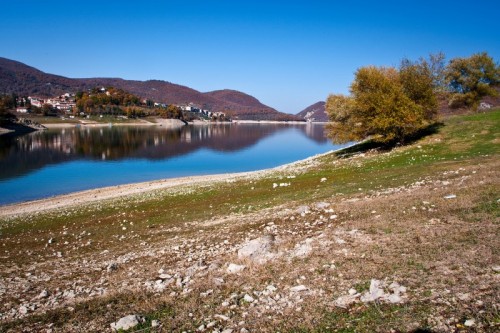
{"x":16,"y":77}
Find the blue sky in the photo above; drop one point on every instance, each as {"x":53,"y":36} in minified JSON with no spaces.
{"x":288,"y":54}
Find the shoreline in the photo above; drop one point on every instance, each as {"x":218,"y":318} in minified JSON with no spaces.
{"x":166,"y":123}
{"x":283,"y":122}
{"x":105,"y":193}
{"x":118,"y":191}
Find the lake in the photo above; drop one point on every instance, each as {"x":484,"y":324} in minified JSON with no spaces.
{"x":58,"y":161}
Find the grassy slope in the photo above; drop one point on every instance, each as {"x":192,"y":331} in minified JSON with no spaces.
{"x":436,"y":247}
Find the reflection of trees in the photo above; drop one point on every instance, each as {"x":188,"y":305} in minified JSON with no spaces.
{"x":119,"y":142}
{"x":19,"y":155}
{"x":315,"y":132}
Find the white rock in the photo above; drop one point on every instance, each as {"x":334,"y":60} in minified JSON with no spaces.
{"x":322,"y":205}
{"x":352,"y":291}
{"x":302,"y":250}
{"x":323,"y":179}
{"x":248,"y":298}
{"x":23,"y":309}
{"x":484,"y":106}
{"x":155,"y":323}
{"x":469,"y":322}
{"x":345,"y":301}
{"x":339,"y":240}
{"x":303,"y":210}
{"x":218,"y":281}
{"x":299,"y":288}
{"x":258,"y":249}
{"x":394,"y":299}
{"x":275,"y":185}
{"x":271,"y":288}
{"x":43,"y":294}
{"x":374,"y":293}
{"x":221,"y":317}
{"x":127,"y":322}
{"x":451,"y":196}
{"x":234,"y":268}
{"x":228,"y":330}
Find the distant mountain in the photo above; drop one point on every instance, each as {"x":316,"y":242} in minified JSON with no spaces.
{"x":16,"y":77}
{"x":315,"y":112}
{"x":238,"y":104}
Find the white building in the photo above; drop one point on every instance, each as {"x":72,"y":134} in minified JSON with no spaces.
{"x":36,"y":101}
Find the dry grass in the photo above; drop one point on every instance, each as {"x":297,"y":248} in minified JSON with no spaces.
{"x":393,"y":222}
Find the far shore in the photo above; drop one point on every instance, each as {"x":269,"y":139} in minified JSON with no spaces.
{"x":277,"y":122}
{"x":169,"y":124}
{"x":83,"y":123}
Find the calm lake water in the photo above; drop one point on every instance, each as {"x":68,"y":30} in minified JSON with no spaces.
{"x":59,"y":161}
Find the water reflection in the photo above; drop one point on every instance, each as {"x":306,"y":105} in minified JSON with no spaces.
{"x":24,"y":154}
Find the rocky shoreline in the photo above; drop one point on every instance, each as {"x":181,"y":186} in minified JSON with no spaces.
{"x":20,"y":126}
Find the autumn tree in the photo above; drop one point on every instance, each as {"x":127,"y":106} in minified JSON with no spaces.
{"x":47,"y":109}
{"x":386,"y":104}
{"x":472,"y":78}
{"x":420,"y":81}
{"x":171,"y":112}
{"x":339,"y":109}
{"x":7,"y":103}
{"x":5,"y":106}
{"x":437,"y":66}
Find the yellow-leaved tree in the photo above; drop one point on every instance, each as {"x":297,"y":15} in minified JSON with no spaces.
{"x":472,"y":78}
{"x":386,"y":104}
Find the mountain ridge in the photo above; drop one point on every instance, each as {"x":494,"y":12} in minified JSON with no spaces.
{"x":19,"y":78}
{"x":314,"y":112}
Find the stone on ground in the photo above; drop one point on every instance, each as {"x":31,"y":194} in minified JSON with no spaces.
{"x":127,"y":322}
{"x":258,"y":249}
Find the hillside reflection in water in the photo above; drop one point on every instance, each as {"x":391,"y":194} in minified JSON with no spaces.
{"x":82,"y":158}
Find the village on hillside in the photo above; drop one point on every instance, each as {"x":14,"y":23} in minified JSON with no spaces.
{"x":67,"y":104}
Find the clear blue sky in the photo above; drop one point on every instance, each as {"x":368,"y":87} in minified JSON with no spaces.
{"x":288,"y":54}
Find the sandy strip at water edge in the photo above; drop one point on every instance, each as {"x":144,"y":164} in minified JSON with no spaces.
{"x":59,"y":125}
{"x":105,"y":193}
{"x":112,"y":192}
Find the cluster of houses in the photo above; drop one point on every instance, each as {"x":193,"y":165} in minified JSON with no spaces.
{"x":194,"y":109}
{"x":64,"y":102}
{"x":207,"y":113}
